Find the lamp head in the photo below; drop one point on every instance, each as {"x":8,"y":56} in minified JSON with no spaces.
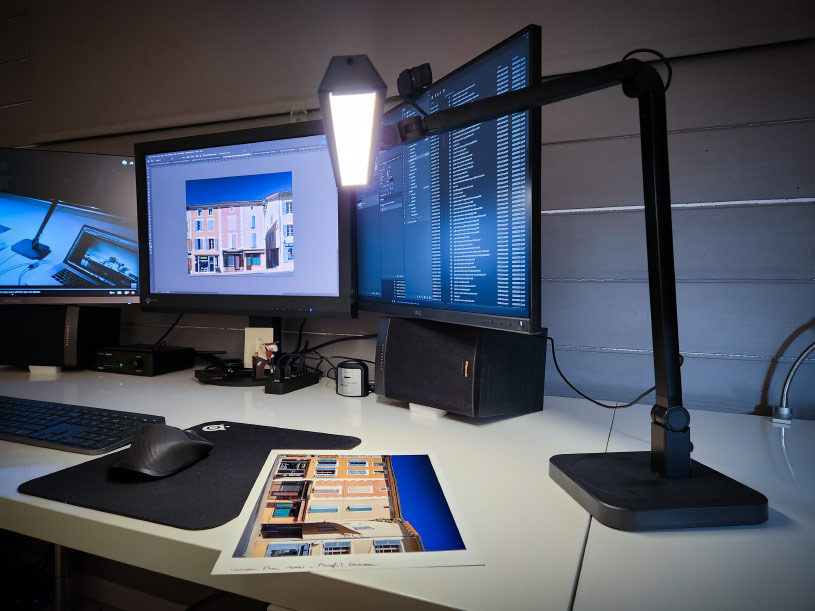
{"x":352,"y":99}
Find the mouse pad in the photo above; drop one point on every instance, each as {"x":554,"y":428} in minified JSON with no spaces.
{"x":206,"y":495}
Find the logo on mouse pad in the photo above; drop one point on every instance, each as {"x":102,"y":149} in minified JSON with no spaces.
{"x":215,"y":427}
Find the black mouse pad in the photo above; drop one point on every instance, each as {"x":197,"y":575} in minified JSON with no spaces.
{"x":206,"y":495}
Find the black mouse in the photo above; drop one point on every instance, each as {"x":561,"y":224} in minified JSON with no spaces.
{"x":159,"y":450}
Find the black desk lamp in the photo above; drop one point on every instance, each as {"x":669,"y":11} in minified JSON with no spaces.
{"x":659,"y":489}
{"x":34,"y":249}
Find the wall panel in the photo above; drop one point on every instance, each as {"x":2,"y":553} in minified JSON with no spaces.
{"x":757,"y":85}
{"x":770,"y":241}
{"x":118,"y":68}
{"x":768,"y":161}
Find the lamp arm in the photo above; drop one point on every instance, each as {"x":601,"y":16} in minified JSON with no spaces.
{"x":670,"y":430}
{"x":534,"y":96}
{"x":48,"y":214}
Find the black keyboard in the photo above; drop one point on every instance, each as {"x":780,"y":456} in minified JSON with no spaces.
{"x":73,"y":428}
{"x":67,"y":278}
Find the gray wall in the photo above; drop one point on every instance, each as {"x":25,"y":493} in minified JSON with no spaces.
{"x":98,"y":76}
{"x":742,"y":147}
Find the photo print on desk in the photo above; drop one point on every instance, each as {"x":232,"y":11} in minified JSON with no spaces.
{"x":320,"y":511}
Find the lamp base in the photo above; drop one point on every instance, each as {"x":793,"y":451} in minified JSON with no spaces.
{"x":620,"y":490}
{"x":30,"y":250}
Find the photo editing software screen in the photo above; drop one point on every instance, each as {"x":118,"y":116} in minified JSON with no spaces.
{"x":447,"y":222}
{"x":222,"y":220}
{"x":67,"y":228}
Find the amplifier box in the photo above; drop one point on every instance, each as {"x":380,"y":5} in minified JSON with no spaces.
{"x":144,"y":359}
{"x":474,"y":372}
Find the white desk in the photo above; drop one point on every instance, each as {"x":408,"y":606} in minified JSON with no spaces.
{"x":529,"y":533}
{"x":761,"y":567}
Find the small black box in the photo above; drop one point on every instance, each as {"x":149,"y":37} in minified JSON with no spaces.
{"x":465,"y":370}
{"x":144,"y":359}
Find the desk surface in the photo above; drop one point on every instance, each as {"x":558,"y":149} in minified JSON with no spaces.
{"x":531,"y":540}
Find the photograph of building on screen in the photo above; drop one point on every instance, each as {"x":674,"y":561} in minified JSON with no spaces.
{"x":240,"y":224}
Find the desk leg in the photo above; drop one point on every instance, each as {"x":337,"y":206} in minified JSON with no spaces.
{"x":62,"y":579}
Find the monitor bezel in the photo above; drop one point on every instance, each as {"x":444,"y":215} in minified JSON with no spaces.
{"x":344,"y":305}
{"x":68,"y":296}
{"x":532,"y":323}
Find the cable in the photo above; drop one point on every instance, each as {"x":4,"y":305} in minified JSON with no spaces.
{"x":161,"y":343}
{"x":13,"y":267}
{"x":350,"y":358}
{"x":300,"y":335}
{"x":570,"y":385}
{"x":660,"y":56}
{"x":8,"y":259}
{"x":24,"y":272}
{"x":343,"y":339}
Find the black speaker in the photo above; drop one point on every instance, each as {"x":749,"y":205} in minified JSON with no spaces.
{"x":56,"y":335}
{"x":465,"y":370}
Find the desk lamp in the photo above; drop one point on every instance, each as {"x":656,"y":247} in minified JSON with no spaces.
{"x":659,"y":489}
{"x":34,"y":249}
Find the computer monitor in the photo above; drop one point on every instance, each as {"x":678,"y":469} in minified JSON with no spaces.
{"x":219,"y":217}
{"x":450,"y":228}
{"x":67,"y":228}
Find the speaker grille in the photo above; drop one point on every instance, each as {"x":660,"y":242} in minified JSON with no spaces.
{"x":429,"y":363}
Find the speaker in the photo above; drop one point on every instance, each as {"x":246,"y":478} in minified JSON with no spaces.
{"x":56,"y":335}
{"x":464,"y":370}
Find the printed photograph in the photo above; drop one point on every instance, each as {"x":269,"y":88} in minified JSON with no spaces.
{"x":364,"y":507}
{"x":240,"y":224}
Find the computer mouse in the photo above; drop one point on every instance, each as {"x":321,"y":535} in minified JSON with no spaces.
{"x":159,"y":450}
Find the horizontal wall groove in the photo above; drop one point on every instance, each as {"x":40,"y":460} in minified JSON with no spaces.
{"x":705,"y":54}
{"x":686,"y":354}
{"x":797,"y":201}
{"x":687,"y":130}
{"x":15,"y":104}
{"x":4,"y":19}
{"x":15,"y":61}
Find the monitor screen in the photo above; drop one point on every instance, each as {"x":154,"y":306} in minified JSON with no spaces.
{"x":220,"y":215}
{"x":450,"y":228}
{"x":67,"y":228}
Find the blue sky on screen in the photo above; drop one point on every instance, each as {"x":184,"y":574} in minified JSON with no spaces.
{"x":423,"y":503}
{"x":236,"y":188}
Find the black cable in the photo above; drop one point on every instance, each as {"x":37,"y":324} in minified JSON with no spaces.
{"x":331,"y":366}
{"x":350,"y":358}
{"x":344,"y":339}
{"x":660,"y":56}
{"x":300,"y":335}
{"x":570,"y":385}
{"x":161,"y":343}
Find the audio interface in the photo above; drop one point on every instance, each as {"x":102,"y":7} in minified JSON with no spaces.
{"x":144,"y":359}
